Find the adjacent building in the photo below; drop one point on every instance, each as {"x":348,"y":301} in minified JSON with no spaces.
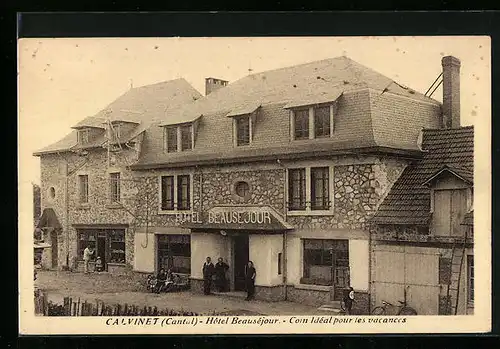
{"x":422,"y":236}
{"x":88,"y":192}
{"x":286,"y":168}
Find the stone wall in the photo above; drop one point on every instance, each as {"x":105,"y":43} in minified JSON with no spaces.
{"x":99,"y":209}
{"x":358,"y":191}
{"x":270,"y":294}
{"x":266,"y":188}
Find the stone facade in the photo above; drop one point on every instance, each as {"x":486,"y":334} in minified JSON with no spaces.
{"x":99,"y":209}
{"x":311,"y":297}
{"x":358,"y":191}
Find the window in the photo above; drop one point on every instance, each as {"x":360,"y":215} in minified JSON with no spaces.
{"x":83,"y":183}
{"x":322,"y":122}
{"x":449,"y":209}
{"x":52,"y":192}
{"x":174,"y":252}
{"x":175,"y":193}
{"x":280,"y":263}
{"x":183,"y":192}
{"x":186,"y":137}
{"x":83,"y":136}
{"x":115,"y":187}
{"x":86,"y":238}
{"x":116,"y":131}
{"x":309,"y":189}
{"x":171,"y":135}
{"x":109,"y":244}
{"x":320,"y":188}
{"x":242,"y":189}
{"x":470,"y":281}
{"x":326,"y":262}
{"x":117,"y":246}
{"x":297,"y":189}
{"x":301,"y":124}
{"x":242,"y":130}
{"x":167,"y":192}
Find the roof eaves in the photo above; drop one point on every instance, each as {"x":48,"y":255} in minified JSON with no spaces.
{"x":217,"y":160}
{"x":450,"y":170}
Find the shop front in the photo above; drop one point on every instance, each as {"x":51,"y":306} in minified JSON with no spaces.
{"x":108,"y":243}
{"x":239,"y":234}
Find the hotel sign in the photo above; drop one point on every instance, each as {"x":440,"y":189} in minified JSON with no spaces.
{"x":234,"y":217}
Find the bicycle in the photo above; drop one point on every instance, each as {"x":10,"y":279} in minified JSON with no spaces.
{"x":403,"y":308}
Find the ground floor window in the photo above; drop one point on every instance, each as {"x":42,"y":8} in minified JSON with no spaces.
{"x":326,"y":262}
{"x":174,"y":252}
{"x":108,"y":244}
{"x":470,"y":283}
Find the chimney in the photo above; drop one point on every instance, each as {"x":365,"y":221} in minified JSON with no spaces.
{"x":451,"y":92}
{"x":212,"y":84}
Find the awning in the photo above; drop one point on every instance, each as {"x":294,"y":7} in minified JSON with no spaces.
{"x":49,"y":220}
{"x":180,"y":118}
{"x":250,"y":218}
{"x":316,"y":99}
{"x":244,"y":109}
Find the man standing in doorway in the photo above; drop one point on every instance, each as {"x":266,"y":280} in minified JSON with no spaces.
{"x":87,"y":256}
{"x":208,"y":272}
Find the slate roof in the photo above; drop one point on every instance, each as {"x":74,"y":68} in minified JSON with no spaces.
{"x":315,"y":82}
{"x":145,"y":106}
{"x":408,"y":201}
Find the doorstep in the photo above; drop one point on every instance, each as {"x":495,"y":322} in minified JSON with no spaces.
{"x":233,"y":294}
{"x":333,"y":306}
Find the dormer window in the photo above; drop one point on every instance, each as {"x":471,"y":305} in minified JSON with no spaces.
{"x":178,"y":137}
{"x":322,"y":121}
{"x":186,"y":137}
{"x":83,"y":136}
{"x":243,"y":130}
{"x":312,"y":122}
{"x":301,"y":123}
{"x":171,"y":135}
{"x":116,"y":131}
{"x":244,"y":118}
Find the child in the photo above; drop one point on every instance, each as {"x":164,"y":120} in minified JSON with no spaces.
{"x":98,"y":265}
{"x":348,"y":300}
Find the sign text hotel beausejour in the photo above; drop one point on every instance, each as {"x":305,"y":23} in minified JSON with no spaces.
{"x":225,"y":217}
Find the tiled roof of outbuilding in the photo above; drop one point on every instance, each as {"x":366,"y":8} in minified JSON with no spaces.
{"x":408,"y":202}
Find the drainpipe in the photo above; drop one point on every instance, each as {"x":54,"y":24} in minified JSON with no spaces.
{"x":285,"y":259}
{"x":67,"y":217}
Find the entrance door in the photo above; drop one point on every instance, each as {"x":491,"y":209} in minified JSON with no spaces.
{"x":101,"y":249}
{"x":53,"y":242}
{"x":241,"y":256}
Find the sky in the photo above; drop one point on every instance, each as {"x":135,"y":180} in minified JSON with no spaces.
{"x":63,"y":80}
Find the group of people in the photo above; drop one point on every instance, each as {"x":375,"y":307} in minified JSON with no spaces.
{"x":88,"y":255}
{"x":163,"y":280}
{"x":217,"y":273}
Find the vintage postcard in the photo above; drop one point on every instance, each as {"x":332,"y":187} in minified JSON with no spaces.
{"x":254,"y":185}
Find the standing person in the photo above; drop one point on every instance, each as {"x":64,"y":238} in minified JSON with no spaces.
{"x":220,"y":274}
{"x":250,"y":274}
{"x":87,"y":256}
{"x":348,"y":300}
{"x":208,"y":272}
{"x":98,"y":265}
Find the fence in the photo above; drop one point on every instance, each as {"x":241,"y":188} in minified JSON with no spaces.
{"x":99,"y":308}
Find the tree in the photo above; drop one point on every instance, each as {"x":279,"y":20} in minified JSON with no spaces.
{"x":36,"y":204}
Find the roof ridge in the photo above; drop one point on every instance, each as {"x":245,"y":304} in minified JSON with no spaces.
{"x":448,"y":129}
{"x":299,"y":65}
